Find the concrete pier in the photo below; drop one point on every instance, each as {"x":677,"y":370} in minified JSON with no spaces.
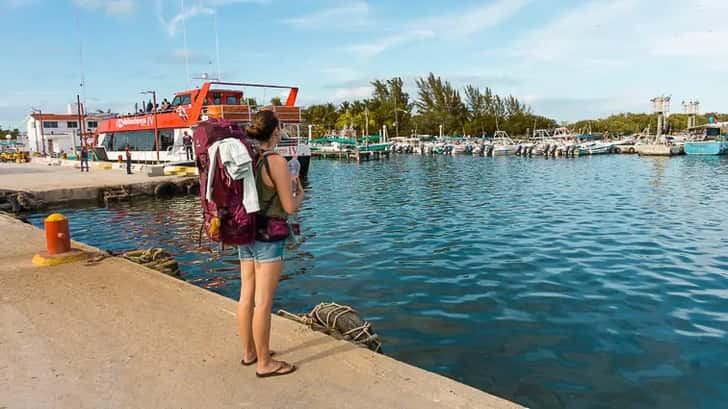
{"x":117,"y":335}
{"x":60,"y":184}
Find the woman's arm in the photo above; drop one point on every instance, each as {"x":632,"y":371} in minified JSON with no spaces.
{"x":282,"y":181}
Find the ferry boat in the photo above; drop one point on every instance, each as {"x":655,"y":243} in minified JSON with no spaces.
{"x":706,"y":140}
{"x":214,"y":99}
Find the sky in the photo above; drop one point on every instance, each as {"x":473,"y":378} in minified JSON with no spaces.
{"x":568,"y":59}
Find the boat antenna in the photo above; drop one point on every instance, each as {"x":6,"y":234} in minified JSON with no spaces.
{"x":184,"y":39}
{"x":82,"y":84}
{"x":217,"y":45}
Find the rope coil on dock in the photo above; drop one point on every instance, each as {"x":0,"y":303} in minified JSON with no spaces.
{"x":16,"y":202}
{"x":339,"y":321}
{"x":154,"y":258}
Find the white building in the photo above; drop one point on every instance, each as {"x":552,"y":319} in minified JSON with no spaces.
{"x":57,"y":133}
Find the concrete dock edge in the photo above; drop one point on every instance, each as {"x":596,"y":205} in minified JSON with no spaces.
{"x":117,"y":335}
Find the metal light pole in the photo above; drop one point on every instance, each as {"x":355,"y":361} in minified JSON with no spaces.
{"x":156,"y":126}
{"x":396,"y":120}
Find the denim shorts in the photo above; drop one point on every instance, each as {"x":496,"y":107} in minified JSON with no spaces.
{"x":262,"y":251}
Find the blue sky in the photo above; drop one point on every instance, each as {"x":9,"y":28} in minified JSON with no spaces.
{"x":569,"y":59}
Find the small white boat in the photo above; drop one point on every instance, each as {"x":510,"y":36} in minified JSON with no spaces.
{"x":595,"y":148}
{"x":660,"y":147}
{"x":503,"y":145}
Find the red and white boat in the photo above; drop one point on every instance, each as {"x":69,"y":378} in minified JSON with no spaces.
{"x":155,"y":137}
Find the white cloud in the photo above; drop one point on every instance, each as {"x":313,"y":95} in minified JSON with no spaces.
{"x":474,"y":19}
{"x":619,"y":32}
{"x":354,"y":15}
{"x":201,"y":7}
{"x":352,"y":93}
{"x":112,"y":7}
{"x":592,"y":28}
{"x":694,"y":44}
{"x":371,"y":49}
{"x":463,"y":23}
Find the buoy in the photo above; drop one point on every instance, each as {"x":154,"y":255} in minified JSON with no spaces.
{"x":58,"y":243}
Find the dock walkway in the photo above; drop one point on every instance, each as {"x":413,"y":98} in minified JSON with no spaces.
{"x":59,"y":184}
{"x":117,"y":335}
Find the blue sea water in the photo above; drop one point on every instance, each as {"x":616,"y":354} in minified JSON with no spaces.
{"x":581,"y":283}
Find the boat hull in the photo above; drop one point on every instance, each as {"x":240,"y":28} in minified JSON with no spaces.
{"x":706,"y":148}
{"x":659,"y":150}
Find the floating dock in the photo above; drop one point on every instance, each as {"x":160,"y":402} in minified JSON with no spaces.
{"x":115,"y":334}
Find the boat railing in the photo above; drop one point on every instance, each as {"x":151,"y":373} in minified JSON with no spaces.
{"x":244,"y":113}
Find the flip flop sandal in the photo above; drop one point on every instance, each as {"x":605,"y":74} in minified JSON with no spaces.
{"x":277,"y":372}
{"x":254,"y":361}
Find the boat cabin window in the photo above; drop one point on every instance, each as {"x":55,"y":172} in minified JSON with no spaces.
{"x":216,"y":99}
{"x":182,"y":100}
{"x":231,"y":100}
{"x":166,"y":139}
{"x":93,"y":124}
{"x":137,"y":141}
{"x":71,"y":124}
{"x":712,"y":132}
{"x":50,"y":124}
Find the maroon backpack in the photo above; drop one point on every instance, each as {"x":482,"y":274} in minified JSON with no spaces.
{"x":234,"y":226}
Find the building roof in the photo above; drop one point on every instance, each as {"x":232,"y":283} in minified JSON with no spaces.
{"x":55,"y":117}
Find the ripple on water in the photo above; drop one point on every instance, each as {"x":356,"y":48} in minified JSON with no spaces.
{"x":594,"y":282}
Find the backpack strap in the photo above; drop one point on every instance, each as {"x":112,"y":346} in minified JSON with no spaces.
{"x":264,"y":159}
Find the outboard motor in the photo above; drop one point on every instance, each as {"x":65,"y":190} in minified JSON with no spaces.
{"x":518,"y":150}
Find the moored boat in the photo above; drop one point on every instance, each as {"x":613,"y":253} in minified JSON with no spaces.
{"x":595,"y":148}
{"x":503,"y":145}
{"x":659,"y":149}
{"x":706,"y":140}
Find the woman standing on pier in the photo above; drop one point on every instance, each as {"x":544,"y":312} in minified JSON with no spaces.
{"x":262,"y":262}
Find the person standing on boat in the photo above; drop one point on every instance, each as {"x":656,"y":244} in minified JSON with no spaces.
{"x":261,"y":262}
{"x":84,"y":157}
{"x":128,"y":160}
{"x":187,"y":142}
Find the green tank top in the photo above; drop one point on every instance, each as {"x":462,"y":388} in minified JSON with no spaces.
{"x":268,"y":196}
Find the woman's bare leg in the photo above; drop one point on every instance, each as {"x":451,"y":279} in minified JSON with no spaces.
{"x":245,"y":309}
{"x":266,"y":282}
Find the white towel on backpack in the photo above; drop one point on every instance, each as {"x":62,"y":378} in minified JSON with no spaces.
{"x":239,"y":165}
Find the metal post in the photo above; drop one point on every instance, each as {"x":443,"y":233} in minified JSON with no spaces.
{"x":396,"y":121}
{"x":80,"y":123}
{"x":156,"y":126}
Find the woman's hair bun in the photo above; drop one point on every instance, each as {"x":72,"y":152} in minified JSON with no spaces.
{"x":262,"y":126}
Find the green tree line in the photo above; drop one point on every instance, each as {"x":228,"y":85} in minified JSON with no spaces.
{"x":14,"y":133}
{"x":630,"y":123}
{"x":473,"y":111}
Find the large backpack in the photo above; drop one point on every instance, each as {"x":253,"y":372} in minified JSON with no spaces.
{"x":225,"y":218}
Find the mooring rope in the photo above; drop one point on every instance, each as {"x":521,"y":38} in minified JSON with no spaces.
{"x":328,"y":318}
